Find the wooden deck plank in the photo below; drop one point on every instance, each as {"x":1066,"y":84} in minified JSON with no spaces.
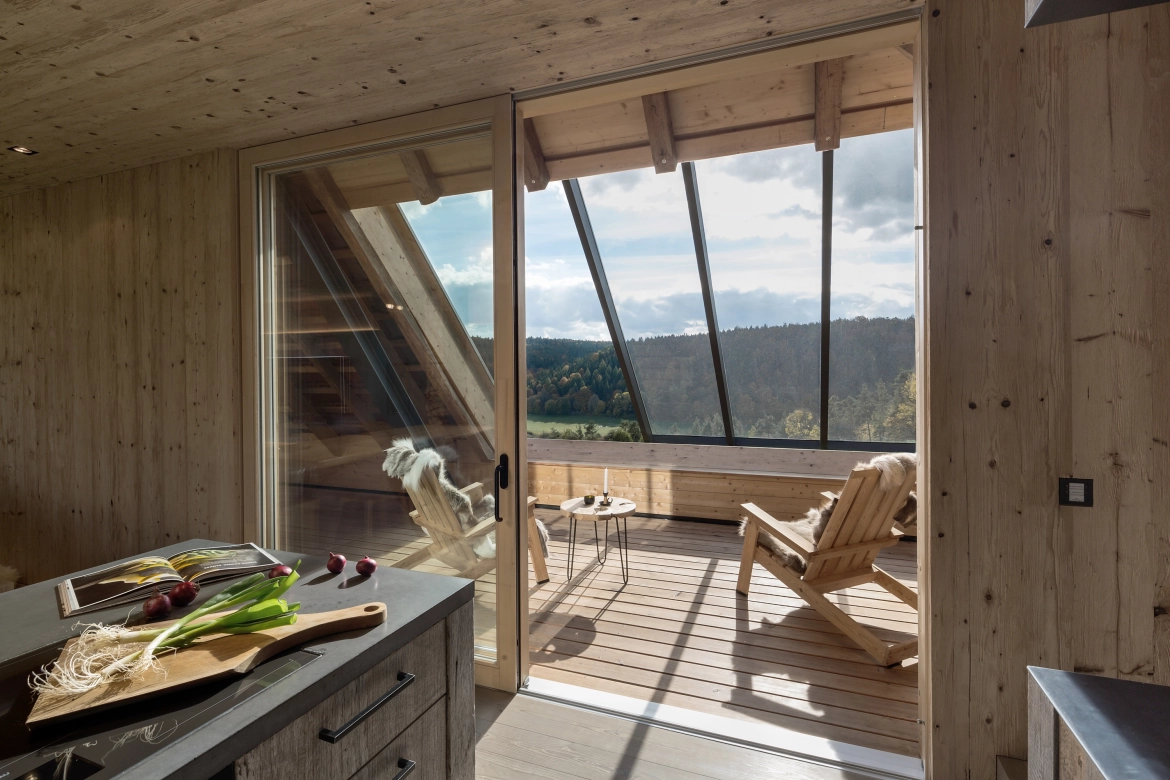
{"x":677,"y":633}
{"x":781,"y":718}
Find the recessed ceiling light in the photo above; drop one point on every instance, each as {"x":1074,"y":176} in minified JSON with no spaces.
{"x":21,"y":150}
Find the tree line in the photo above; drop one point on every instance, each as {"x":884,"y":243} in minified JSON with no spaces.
{"x":773,"y":378}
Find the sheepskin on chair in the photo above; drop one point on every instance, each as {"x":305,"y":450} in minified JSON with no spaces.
{"x":406,"y":463}
{"x":8,"y":578}
{"x":892,"y":468}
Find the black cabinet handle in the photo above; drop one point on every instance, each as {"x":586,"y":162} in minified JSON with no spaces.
{"x":404,"y":679}
{"x":405,"y":767}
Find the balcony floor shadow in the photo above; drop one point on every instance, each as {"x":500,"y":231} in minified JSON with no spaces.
{"x":679,"y":634}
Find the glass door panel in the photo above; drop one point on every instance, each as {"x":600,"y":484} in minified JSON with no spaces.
{"x":378,"y":350}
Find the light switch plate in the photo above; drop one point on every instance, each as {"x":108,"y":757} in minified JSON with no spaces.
{"x":1076,"y":492}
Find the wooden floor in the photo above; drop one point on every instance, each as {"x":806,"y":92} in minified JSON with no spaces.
{"x":678,"y":634}
{"x":523,"y":738}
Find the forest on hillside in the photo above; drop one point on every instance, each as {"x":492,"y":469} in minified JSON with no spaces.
{"x":772,"y":375}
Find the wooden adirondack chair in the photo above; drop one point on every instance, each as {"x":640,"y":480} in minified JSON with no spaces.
{"x":860,"y":526}
{"x":450,"y":542}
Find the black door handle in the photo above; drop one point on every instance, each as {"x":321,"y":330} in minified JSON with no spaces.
{"x":405,"y":767}
{"x":331,"y":736}
{"x":500,"y":482}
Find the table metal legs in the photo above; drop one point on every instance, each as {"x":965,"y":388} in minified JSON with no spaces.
{"x":623,"y":535}
{"x":621,"y":525}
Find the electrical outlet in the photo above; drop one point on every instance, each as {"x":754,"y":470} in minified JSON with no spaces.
{"x":1076,"y":492}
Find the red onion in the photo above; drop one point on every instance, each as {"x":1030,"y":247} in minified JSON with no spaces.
{"x":183,"y":594}
{"x":367,"y":566}
{"x":336,"y":563}
{"x":279,"y":571}
{"x":157,"y":605}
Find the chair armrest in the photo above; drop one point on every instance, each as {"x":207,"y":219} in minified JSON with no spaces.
{"x":481,"y":528}
{"x":790,"y":538}
{"x":531,"y":500}
{"x":474,"y":491}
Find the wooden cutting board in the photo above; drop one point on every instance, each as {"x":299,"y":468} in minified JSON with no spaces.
{"x":211,"y":657}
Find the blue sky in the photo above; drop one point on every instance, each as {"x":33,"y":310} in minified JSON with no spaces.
{"x":763,"y":224}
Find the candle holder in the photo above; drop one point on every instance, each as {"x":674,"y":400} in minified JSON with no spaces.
{"x":605,"y":500}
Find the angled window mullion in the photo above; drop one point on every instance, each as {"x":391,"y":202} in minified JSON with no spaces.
{"x":704,"y":262}
{"x":597,"y":271}
{"x":826,"y":285}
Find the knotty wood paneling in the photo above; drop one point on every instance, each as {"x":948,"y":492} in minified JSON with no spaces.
{"x":1047,"y":354}
{"x":119,"y":365}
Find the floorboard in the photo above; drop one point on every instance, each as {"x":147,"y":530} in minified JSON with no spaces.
{"x":523,"y":738}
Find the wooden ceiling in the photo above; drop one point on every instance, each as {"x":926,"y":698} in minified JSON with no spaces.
{"x":748,"y":104}
{"x":99,"y":87}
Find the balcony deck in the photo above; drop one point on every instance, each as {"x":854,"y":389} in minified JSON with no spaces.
{"x":678,"y":634}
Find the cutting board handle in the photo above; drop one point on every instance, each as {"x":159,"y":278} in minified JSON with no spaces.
{"x":314,"y":626}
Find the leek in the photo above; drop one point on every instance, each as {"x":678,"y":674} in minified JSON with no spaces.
{"x":103,"y":654}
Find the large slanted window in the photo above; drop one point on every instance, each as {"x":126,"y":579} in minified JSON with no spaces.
{"x":749,"y":243}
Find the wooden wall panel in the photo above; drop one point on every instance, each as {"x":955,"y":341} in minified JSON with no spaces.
{"x":679,"y":493}
{"x":1047,"y":352}
{"x":119,"y":365}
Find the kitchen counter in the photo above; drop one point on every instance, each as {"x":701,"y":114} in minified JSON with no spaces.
{"x":1078,"y":723}
{"x":417,"y":604}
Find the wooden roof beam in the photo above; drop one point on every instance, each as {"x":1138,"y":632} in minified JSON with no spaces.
{"x":828,"y":76}
{"x":661,"y":132}
{"x":422,"y":178}
{"x":535,"y":170}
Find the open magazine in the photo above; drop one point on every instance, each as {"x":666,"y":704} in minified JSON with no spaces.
{"x":136,"y":579}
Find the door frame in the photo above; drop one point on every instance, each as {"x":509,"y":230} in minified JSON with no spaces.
{"x":504,"y":672}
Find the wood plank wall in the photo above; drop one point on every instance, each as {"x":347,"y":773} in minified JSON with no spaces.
{"x":119,"y":365}
{"x":704,"y":495}
{"x":1048,"y":354}
{"x":676,"y":481}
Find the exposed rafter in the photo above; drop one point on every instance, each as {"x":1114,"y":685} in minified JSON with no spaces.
{"x":656,"y":108}
{"x":535,"y":171}
{"x":829,"y":75}
{"x":422,"y":178}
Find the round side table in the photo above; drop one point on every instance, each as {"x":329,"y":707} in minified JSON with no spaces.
{"x":618,"y":510}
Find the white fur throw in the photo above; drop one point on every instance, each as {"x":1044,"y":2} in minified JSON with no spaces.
{"x":892,"y":468}
{"x":406,"y":463}
{"x":8,"y":578}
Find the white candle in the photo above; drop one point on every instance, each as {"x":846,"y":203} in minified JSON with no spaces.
{"x":605,"y":487}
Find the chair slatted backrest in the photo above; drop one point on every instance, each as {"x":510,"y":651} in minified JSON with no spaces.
{"x":433,"y":512}
{"x":864,"y":513}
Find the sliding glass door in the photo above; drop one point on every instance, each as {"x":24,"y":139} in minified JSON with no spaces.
{"x":385,"y":332}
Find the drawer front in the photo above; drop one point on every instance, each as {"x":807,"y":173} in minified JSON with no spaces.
{"x":298,"y":746}
{"x":424,"y":743}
